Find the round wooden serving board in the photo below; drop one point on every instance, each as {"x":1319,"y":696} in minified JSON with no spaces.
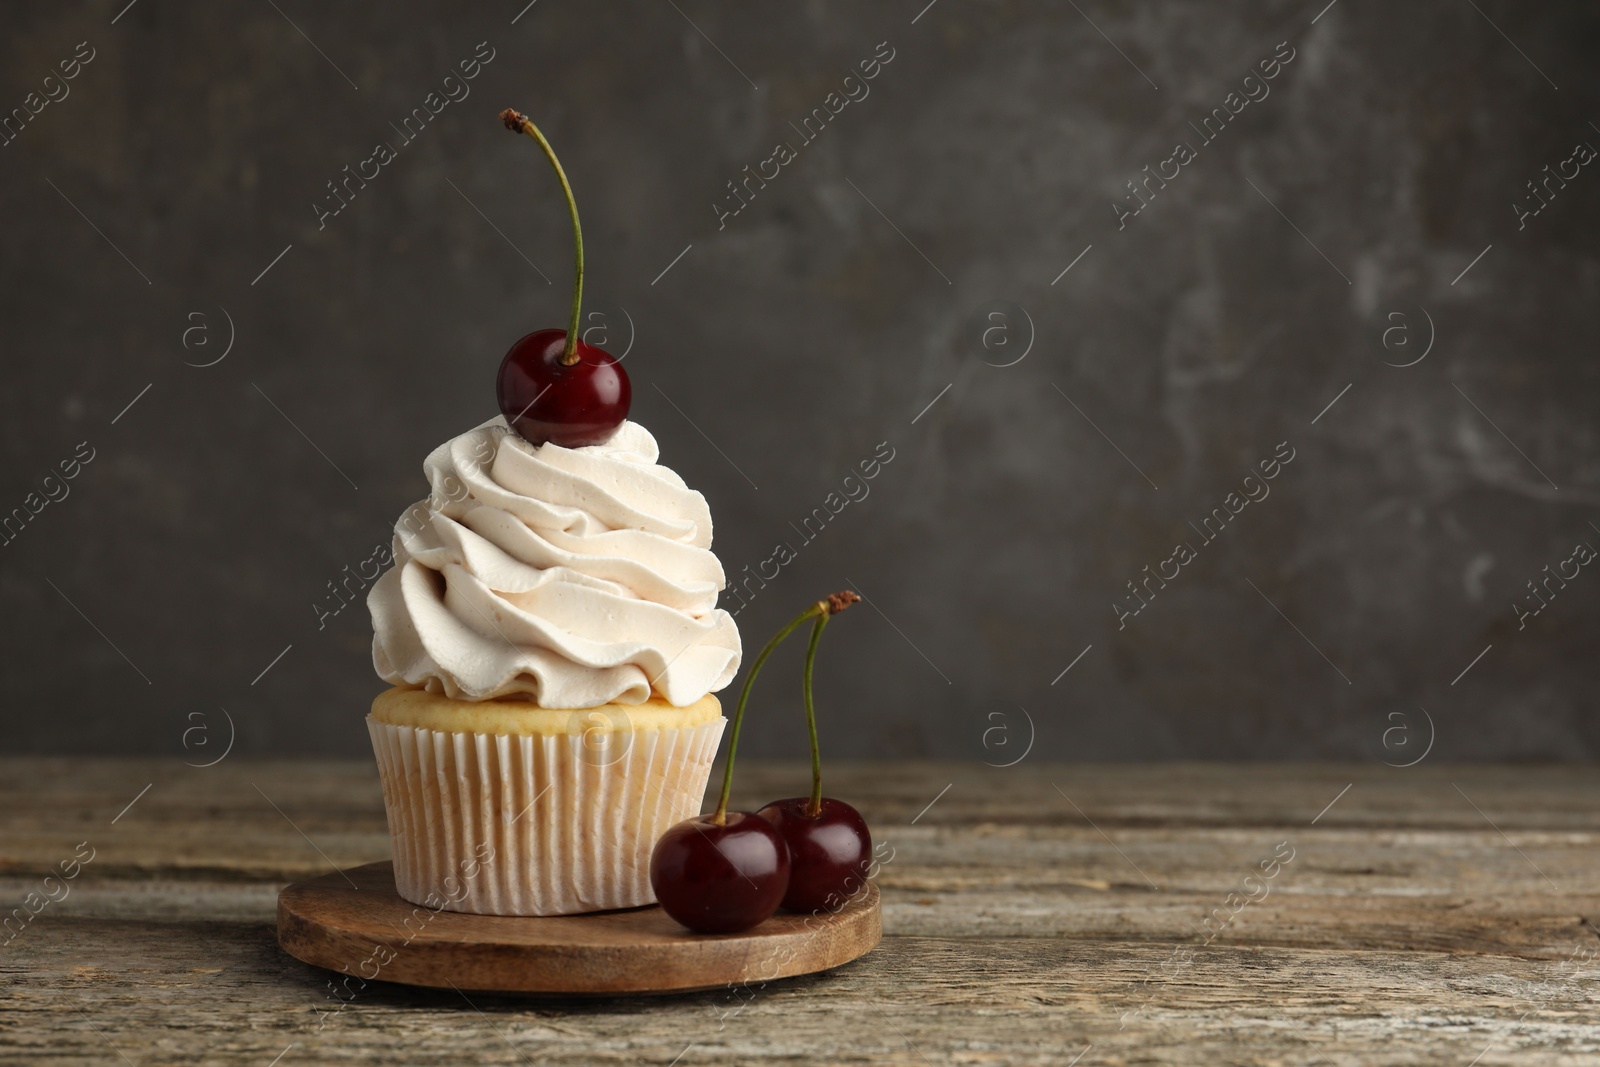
{"x":368,"y":931}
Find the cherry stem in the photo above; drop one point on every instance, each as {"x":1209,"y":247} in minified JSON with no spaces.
{"x":831,"y":605}
{"x":815,"y":807}
{"x":519,"y":123}
{"x":721,"y":815}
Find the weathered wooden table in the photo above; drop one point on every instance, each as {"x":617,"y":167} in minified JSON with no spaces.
{"x":1289,"y":914}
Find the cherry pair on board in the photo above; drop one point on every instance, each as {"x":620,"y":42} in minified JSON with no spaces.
{"x":730,"y":870}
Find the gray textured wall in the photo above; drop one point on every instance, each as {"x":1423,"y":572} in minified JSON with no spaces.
{"x":1175,"y":355}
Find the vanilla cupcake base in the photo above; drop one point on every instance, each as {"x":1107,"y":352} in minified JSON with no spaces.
{"x":500,"y":808}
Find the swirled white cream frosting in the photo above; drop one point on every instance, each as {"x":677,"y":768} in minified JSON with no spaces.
{"x":570,"y":577}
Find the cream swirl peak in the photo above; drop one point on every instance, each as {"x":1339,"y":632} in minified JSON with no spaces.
{"x":570,"y":577}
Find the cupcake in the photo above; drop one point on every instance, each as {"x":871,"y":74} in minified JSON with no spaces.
{"x":551,"y":632}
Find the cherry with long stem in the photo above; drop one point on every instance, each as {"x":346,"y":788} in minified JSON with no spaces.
{"x":520,"y":123}
{"x":821,"y":609}
{"x":815,"y":807}
{"x":729,"y":870}
{"x":553,"y":386}
{"x":830,"y":847}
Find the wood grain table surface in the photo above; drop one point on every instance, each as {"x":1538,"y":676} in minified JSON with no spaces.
{"x":1109,"y":914}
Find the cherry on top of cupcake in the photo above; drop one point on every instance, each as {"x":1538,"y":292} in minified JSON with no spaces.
{"x":553,"y":386}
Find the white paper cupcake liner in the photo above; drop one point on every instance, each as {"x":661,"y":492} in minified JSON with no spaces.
{"x":535,"y":825}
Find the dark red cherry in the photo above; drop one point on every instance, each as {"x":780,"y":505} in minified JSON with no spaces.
{"x":829,"y":852}
{"x":720,"y":879}
{"x":544,"y":399}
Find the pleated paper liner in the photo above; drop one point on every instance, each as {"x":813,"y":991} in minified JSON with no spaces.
{"x":535,"y":825}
